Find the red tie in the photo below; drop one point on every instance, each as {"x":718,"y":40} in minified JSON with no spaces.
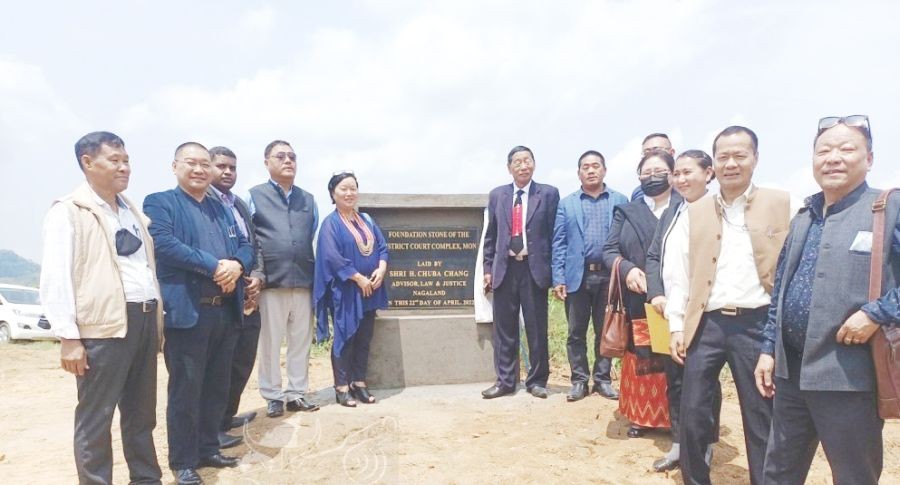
{"x":515,"y":243}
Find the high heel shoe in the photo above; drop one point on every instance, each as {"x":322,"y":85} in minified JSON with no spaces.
{"x":361,"y":393}
{"x":344,"y":398}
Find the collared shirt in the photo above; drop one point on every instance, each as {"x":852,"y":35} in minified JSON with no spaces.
{"x":524,"y":190}
{"x":671,"y":262}
{"x":657,"y":210}
{"x":210,"y":238}
{"x":596,"y":224}
{"x":228,"y":200}
{"x":884,"y":311}
{"x":736,"y":282}
{"x":57,"y":290}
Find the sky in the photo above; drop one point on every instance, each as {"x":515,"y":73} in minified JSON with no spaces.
{"x":428,"y":97}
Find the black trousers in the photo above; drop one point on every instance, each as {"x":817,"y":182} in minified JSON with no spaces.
{"x":846,"y":423}
{"x":199,"y":363}
{"x":584,"y":306}
{"x":518,"y":291}
{"x":122,"y":373}
{"x":353,"y":363}
{"x":721,"y":339}
{"x":674,"y":385}
{"x":247,"y":342}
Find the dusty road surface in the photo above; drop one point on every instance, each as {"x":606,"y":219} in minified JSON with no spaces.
{"x":434,"y":434}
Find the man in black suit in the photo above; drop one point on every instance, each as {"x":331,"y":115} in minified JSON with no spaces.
{"x":224,"y":176}
{"x":517,"y":268}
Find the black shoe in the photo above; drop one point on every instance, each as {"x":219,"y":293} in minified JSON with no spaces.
{"x":228,"y":441}
{"x":241,"y":419}
{"x":636,"y":431}
{"x":664,"y":464}
{"x":274,"y":409}
{"x":495,"y":391}
{"x":218,"y":461}
{"x":539,"y":392}
{"x":578,"y":392}
{"x":187,"y":476}
{"x":300,"y":404}
{"x":361,"y":393}
{"x":606,"y":390}
{"x":344,"y":399}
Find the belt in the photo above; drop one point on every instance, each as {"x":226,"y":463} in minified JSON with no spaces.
{"x":740,"y":312}
{"x":145,"y":306}
{"x":519,"y":257}
{"x":593,"y":266}
{"x":217,"y":300}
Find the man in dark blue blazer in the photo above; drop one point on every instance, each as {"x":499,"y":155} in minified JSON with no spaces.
{"x":517,"y":269}
{"x":201,"y":258}
{"x":579,"y":277}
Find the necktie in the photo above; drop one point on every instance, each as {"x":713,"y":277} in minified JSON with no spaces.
{"x":516,"y":244}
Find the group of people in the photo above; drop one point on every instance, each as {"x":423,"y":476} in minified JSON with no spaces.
{"x":779,"y":293}
{"x":214,"y":281}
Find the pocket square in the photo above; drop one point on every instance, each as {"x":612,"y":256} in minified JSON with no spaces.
{"x":862,"y":243}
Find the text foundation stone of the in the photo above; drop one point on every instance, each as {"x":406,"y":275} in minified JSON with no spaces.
{"x":429,"y":335}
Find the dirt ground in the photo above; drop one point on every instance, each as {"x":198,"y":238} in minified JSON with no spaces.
{"x":434,"y":434}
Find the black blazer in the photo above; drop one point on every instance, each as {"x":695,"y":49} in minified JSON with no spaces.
{"x":655,"y":286}
{"x":542,"y":203}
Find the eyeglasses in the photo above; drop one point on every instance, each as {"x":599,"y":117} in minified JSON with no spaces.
{"x":193,"y":164}
{"x":282,"y":156}
{"x":654,"y":173}
{"x":858,"y":121}
{"x":343,"y":172}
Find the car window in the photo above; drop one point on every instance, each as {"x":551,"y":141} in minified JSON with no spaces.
{"x":21,"y":297}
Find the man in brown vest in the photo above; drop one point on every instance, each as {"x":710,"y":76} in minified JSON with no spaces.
{"x":720,"y":299}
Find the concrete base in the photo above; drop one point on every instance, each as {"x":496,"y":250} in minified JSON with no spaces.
{"x":414,"y":350}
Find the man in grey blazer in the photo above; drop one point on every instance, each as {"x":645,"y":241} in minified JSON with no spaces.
{"x":224,"y":176}
{"x":821,"y":318}
{"x":517,"y":270}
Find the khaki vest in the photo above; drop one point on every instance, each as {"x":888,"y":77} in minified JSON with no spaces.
{"x":767,"y":217}
{"x":100,"y":309}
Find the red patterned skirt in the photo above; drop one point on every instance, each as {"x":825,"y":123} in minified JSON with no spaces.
{"x":642,"y":398}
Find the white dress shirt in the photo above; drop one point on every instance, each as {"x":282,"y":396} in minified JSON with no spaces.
{"x":657,"y":210}
{"x":524,"y":190}
{"x":57,"y":290}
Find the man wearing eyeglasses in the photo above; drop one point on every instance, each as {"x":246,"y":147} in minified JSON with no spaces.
{"x":101,"y":297}
{"x":203,"y":256}
{"x":286,"y":218}
{"x":224,"y":176}
{"x":653,"y":141}
{"x":821,"y":318}
{"x":719,"y":296}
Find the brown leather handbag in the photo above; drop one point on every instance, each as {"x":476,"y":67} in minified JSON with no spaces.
{"x":615,"y":327}
{"x":885,"y":342}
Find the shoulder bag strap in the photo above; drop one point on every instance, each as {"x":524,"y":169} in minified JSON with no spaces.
{"x":878,"y":230}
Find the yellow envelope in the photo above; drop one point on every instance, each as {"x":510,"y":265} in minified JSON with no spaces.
{"x":659,"y":330}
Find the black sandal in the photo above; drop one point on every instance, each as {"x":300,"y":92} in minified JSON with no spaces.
{"x":361,"y":393}
{"x":344,"y":398}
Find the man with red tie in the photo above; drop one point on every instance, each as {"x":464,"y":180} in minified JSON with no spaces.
{"x":517,"y":269}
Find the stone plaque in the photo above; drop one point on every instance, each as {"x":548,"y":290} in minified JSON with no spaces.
{"x":431,"y":267}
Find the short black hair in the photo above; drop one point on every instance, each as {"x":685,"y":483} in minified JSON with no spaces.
{"x":517,"y":149}
{"x":657,"y":153}
{"x":592,"y":153}
{"x":655,"y":135}
{"x":735,"y":130}
{"x":274,"y":144}
{"x":188,"y":144}
{"x":90,"y":144}
{"x":866,"y":133}
{"x":703,"y":159}
{"x":223,"y":151}
{"x":338,"y":178}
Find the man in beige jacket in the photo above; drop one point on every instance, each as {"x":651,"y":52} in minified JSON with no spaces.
{"x":100,"y":294}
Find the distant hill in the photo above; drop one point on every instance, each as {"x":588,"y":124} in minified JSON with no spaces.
{"x":15,"y":269}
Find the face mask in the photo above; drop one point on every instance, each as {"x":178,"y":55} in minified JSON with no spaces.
{"x":126,"y":242}
{"x":655,"y":185}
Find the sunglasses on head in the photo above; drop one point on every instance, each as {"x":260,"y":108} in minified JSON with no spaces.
{"x":858,"y":121}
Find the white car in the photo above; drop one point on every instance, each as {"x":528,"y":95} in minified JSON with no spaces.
{"x":21,"y":315}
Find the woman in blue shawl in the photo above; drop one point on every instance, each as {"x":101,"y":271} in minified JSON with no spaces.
{"x":351,"y":263}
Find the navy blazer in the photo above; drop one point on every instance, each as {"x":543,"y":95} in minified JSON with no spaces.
{"x":542,"y":204}
{"x":180,"y":266}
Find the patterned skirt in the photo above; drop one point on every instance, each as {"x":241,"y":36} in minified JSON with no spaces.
{"x":642,"y":398}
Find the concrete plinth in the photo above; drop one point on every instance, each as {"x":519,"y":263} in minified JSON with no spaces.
{"x":414,"y":350}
